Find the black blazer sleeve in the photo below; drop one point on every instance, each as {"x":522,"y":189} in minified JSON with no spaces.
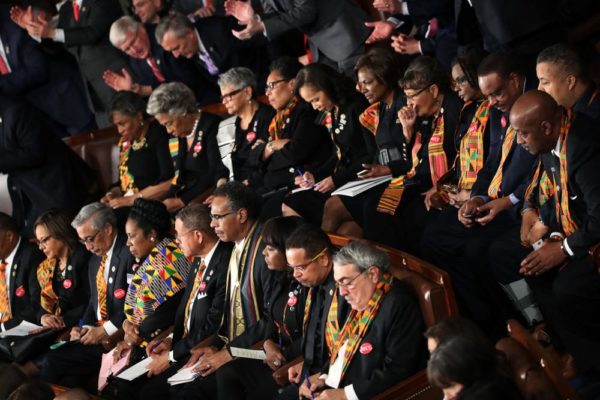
{"x":300,"y":13}
{"x":101,"y":16}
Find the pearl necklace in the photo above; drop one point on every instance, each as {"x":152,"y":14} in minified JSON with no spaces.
{"x":193,"y":132}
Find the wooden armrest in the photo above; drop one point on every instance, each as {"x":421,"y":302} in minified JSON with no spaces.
{"x":110,"y":342}
{"x":258,"y":345}
{"x":281,"y":375}
{"x":203,"y":196}
{"x":65,"y":336}
{"x":415,"y":387}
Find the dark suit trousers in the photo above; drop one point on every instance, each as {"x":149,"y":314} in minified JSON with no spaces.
{"x":290,"y":392}
{"x":462,"y":252}
{"x":570,"y":302}
{"x":72,"y":364}
{"x":246,"y":379}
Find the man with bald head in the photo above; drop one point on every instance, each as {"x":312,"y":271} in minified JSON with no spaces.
{"x":565,"y":281}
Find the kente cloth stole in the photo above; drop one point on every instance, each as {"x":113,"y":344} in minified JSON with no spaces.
{"x":332,"y":327}
{"x":507,"y":146}
{"x":45,"y":277}
{"x":563,"y":215}
{"x":438,"y":166}
{"x":358,"y":323}
{"x":281,"y":119}
{"x":161,"y":276}
{"x":174,"y":150}
{"x":370,"y":118}
{"x":5,"y":313}
{"x":326,"y":119}
{"x":101,"y":287}
{"x":471,"y":147}
{"x":193,"y":293}
{"x":125,"y":177}
{"x":540,"y":186}
{"x":244,"y":305}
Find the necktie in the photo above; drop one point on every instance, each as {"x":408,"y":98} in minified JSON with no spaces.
{"x":193,"y":293}
{"x":75,"y":10}
{"x":208,"y":62}
{"x":4,"y":306}
{"x":3,"y":66}
{"x":155,"y":70}
{"x":101,"y":286}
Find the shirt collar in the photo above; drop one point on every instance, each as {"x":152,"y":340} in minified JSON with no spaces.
{"x":208,"y":257}
{"x":11,"y":257}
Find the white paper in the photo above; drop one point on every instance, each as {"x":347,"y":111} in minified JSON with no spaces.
{"x":357,"y":187}
{"x":136,"y":371}
{"x":301,"y":189}
{"x":246,"y":353}
{"x":184,"y":375}
{"x":22,"y":329}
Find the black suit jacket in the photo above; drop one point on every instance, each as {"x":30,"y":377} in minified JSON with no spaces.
{"x":589,"y":102}
{"x":39,"y":164}
{"x":263,"y":285}
{"x":71,"y":298}
{"x":50,"y":80}
{"x":119,"y":266}
{"x":397,"y":342}
{"x":87,"y":39}
{"x":208,"y":304}
{"x":310,"y":148}
{"x":197,"y":174}
{"x":24,"y":265}
{"x":516,"y":168}
{"x":583,"y":164}
{"x":315,"y":361}
{"x":335,"y":27}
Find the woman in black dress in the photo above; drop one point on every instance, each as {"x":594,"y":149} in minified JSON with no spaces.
{"x":250,"y":122}
{"x":280,"y":328}
{"x":295,"y":144}
{"x":339,"y":106}
{"x":145,"y":165}
{"x":198,"y":165}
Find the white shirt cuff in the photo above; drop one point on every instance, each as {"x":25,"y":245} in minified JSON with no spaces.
{"x":59,"y":35}
{"x":110,"y":328}
{"x":420,"y":50}
{"x":557,"y":234}
{"x":567,"y":248}
{"x":513,"y":199}
{"x":2,"y":327}
{"x":324,"y":377}
{"x":349,"y":390}
{"x":172,"y":356}
{"x":405,"y":8}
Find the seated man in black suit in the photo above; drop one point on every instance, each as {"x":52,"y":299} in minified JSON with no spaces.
{"x":149,"y":63}
{"x":381,"y":343}
{"x":209,"y":44}
{"x":18,"y":262}
{"x":564,"y":280}
{"x":459,"y":242}
{"x":249,"y":283}
{"x":43,"y":172}
{"x":201,"y":308}
{"x":109,"y":271}
{"x":309,"y":253}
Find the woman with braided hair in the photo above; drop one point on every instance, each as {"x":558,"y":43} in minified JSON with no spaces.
{"x":156,"y":286}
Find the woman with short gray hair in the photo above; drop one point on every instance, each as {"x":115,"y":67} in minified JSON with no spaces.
{"x":250,"y":123}
{"x":198,"y":165}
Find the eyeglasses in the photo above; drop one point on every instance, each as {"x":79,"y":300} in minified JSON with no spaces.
{"x":302,"y":267}
{"x":229,"y":96}
{"x":461,"y":81}
{"x":218,"y":217}
{"x":89,"y":239}
{"x":178,"y":236}
{"x":43,"y":241}
{"x":350,"y":284}
{"x":271,"y":85}
{"x":418,"y":92}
